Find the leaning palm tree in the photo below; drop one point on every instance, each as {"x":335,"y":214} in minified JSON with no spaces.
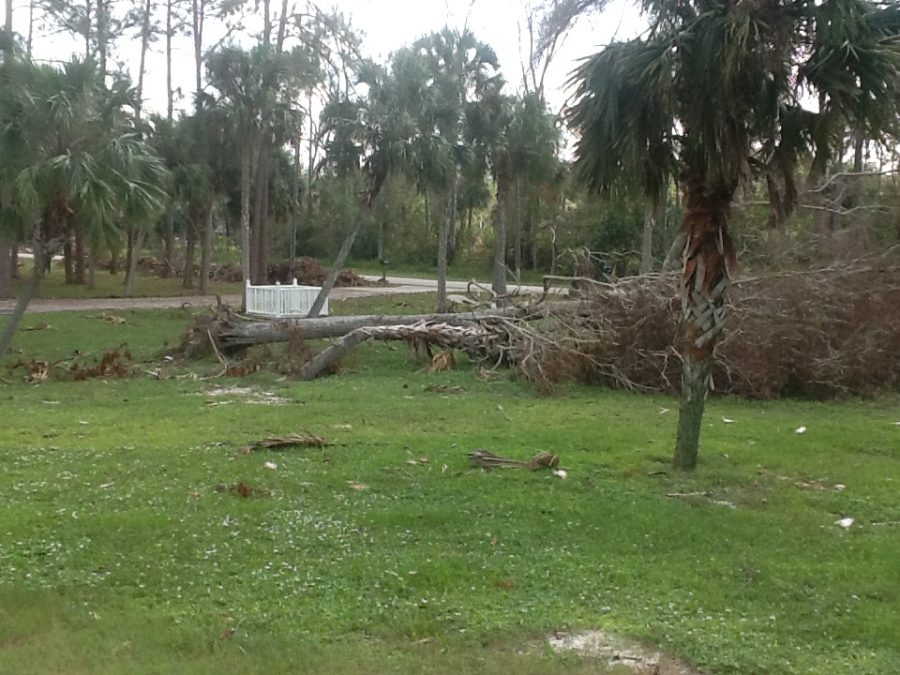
{"x":83,"y":162}
{"x":717,"y":91}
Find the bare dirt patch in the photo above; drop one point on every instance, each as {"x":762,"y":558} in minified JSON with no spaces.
{"x":617,"y":651}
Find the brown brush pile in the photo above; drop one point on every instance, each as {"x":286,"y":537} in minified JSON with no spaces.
{"x":816,"y":334}
{"x":309,"y":272}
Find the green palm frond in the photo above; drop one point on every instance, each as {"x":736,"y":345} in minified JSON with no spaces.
{"x":625,"y":116}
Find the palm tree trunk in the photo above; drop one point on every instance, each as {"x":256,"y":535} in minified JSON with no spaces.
{"x":79,"y":254}
{"x":169,"y":241}
{"x":187,"y":277}
{"x":92,"y":267}
{"x":498,"y":284}
{"x":129,"y":252}
{"x":647,"y":240}
{"x":443,"y":238}
{"x":68,"y":258}
{"x":131,"y":274}
{"x":707,"y":253}
{"x":206,"y":249}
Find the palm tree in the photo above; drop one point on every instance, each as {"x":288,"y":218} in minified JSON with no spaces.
{"x":376,"y":135}
{"x":83,"y":162}
{"x":488,"y":129}
{"x":715,"y":92}
{"x":458,"y":70}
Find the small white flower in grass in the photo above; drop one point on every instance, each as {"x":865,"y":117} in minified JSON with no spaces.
{"x":270,"y":465}
{"x":800,"y":430}
{"x":844,"y":522}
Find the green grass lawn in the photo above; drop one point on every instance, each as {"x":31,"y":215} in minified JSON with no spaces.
{"x":385,"y":552}
{"x":113,"y":285}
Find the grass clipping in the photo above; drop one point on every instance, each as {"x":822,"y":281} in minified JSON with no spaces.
{"x":814,"y":333}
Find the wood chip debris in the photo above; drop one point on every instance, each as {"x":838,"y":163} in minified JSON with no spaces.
{"x":302,"y":439}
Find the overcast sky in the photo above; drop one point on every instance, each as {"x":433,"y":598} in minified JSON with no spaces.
{"x":386,"y":26}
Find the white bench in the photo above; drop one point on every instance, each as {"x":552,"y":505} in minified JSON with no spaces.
{"x":287,"y":300}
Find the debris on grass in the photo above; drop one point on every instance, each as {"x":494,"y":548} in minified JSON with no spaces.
{"x":249,"y":395}
{"x":42,"y":325}
{"x":302,"y":439}
{"x":707,"y":495}
{"x":442,"y":361}
{"x":617,"y":651}
{"x":242,"y":489}
{"x":272,"y":466}
{"x":445,"y":389}
{"x":356,"y":485}
{"x":800,"y":430}
{"x":488,"y":460}
{"x":38,"y":371}
{"x":845,"y":523}
{"x":112,"y":363}
{"x":108,"y":318}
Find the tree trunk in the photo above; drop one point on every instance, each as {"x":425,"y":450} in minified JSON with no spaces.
{"x":443,"y":240}
{"x":206,"y":250}
{"x":92,"y":267}
{"x":8,"y":16}
{"x":517,"y":244}
{"x":338,"y":266}
{"x":707,"y":253}
{"x":694,"y":385}
{"x":131,"y":274}
{"x":6,"y":263}
{"x":145,"y":41}
{"x":295,"y":204}
{"x":15,"y":260}
{"x":80,"y":255}
{"x":647,"y":240}
{"x":29,"y":41}
{"x":102,"y":34}
{"x":41,"y":255}
{"x":498,"y":284}
{"x":245,"y":219}
{"x":170,"y":93}
{"x":68,"y":258}
{"x":169,"y":242}
{"x":248,"y":333}
{"x":262,"y":252}
{"x":130,"y":253}
{"x":187,"y":277}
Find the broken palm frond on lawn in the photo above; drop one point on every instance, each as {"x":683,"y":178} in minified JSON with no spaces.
{"x":302,"y":439}
{"x":488,"y":460}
